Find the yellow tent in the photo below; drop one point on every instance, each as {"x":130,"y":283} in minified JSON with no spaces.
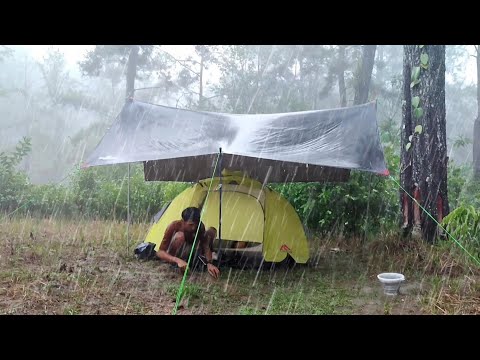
{"x":250,"y":213}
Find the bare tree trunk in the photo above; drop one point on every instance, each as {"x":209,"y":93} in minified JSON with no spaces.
{"x":364,"y":75}
{"x":131,"y":70}
{"x":200,"y":94}
{"x":380,"y":66}
{"x":476,"y":126}
{"x":476,"y":148}
{"x":28,"y":120}
{"x":424,"y":105}
{"x":341,"y":76}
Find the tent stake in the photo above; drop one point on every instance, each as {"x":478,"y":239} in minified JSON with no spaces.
{"x":220,"y":210}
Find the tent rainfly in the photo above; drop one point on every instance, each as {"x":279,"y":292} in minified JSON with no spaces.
{"x":182,"y":145}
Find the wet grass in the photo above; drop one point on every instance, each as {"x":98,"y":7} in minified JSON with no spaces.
{"x":54,"y":266}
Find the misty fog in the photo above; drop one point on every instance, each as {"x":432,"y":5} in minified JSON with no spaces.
{"x":66,"y":113}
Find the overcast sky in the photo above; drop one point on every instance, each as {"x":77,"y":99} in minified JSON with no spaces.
{"x":74,"y":53}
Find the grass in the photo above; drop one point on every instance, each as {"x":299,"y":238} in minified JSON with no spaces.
{"x":54,"y":266}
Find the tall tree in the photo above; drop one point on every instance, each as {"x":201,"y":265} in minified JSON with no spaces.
{"x":189,"y":85}
{"x":139,"y":61}
{"x":341,"y":75}
{"x":53,"y":69}
{"x":364,"y":74}
{"x":131,"y":70}
{"x":5,"y":52}
{"x":476,"y":126}
{"x":423,"y":170}
{"x":276,"y":78}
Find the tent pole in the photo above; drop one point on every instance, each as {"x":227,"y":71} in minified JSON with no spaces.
{"x":128,"y":211}
{"x":220,"y":209}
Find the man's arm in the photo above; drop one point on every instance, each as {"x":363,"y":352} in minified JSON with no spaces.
{"x":208,"y":237}
{"x":163,"y":255}
{"x":206,"y":240}
{"x":162,"y":251}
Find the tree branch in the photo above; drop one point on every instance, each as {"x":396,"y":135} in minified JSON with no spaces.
{"x":181,"y":62}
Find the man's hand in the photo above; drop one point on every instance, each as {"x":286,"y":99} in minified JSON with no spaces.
{"x":182,"y":265}
{"x":213,"y":270}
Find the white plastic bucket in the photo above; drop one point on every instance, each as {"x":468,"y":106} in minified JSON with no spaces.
{"x":391,"y":282}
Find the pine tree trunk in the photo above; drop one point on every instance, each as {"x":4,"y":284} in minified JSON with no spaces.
{"x":380,"y":65}
{"x":131,"y":70}
{"x":28,"y":120}
{"x":476,"y":126}
{"x":406,"y":204}
{"x":364,"y":74}
{"x":341,"y":76}
{"x":200,"y":94}
{"x":426,"y":177}
{"x":476,"y":148}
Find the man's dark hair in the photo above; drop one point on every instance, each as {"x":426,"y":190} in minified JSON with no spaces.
{"x":191,"y":214}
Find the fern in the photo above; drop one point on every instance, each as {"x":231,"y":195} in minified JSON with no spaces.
{"x":464,"y":224}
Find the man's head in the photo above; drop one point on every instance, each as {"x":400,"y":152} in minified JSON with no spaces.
{"x":191,"y":218}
